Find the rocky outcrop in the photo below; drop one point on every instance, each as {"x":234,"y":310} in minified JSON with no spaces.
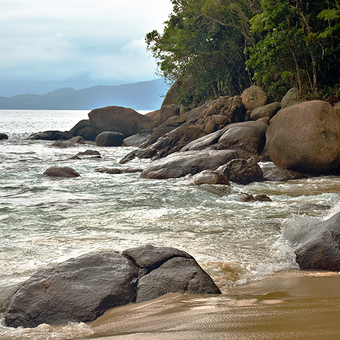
{"x":119,"y":119}
{"x":61,"y":171}
{"x":320,"y":246}
{"x":51,"y":135}
{"x":253,"y":97}
{"x":180,"y":164}
{"x":82,"y":289}
{"x":108,"y":138}
{"x":305,"y":138}
{"x":3,"y":136}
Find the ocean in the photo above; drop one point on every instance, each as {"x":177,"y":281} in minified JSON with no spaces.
{"x":244,"y":246}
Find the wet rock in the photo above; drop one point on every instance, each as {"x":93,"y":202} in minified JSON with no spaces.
{"x":61,"y":171}
{"x":273,"y":173}
{"x":242,"y":171}
{"x":84,"y":129}
{"x":88,"y":153}
{"x":320,"y":246}
{"x":208,"y":177}
{"x":82,"y":289}
{"x":78,"y":290}
{"x":115,"y":171}
{"x":119,"y":119}
{"x":108,"y":138}
{"x":3,"y":136}
{"x":69,"y":143}
{"x":305,"y":138}
{"x":180,"y":164}
{"x":51,"y":135}
{"x":139,"y":153}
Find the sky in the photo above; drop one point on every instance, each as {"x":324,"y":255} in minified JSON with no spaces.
{"x":79,"y":42}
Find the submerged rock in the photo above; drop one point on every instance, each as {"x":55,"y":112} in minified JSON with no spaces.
{"x":82,"y":289}
{"x":3,"y":136}
{"x":61,"y":171}
{"x":51,"y":135}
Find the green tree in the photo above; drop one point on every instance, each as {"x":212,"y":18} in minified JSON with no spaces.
{"x":296,"y":45}
{"x":202,"y":47}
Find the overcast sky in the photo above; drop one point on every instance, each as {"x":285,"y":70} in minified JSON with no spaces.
{"x":54,"y":40}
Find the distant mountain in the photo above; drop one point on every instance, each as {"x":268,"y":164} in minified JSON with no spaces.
{"x":147,"y":95}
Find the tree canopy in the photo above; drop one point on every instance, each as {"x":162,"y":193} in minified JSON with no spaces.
{"x":220,"y":47}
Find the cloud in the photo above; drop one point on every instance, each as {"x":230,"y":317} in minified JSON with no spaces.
{"x":54,"y":40}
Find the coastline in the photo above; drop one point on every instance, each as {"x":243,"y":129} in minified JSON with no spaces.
{"x":286,"y":305}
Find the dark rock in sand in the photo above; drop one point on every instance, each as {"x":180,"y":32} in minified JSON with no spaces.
{"x":320,"y":249}
{"x":78,"y":290}
{"x":82,"y":289}
{"x":242,"y":171}
{"x":3,"y":136}
{"x":180,"y":164}
{"x":108,"y":138}
{"x":51,"y":135}
{"x":62,"y":171}
{"x":119,"y":119}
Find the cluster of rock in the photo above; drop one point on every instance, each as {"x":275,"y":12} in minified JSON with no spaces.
{"x":83,"y":288}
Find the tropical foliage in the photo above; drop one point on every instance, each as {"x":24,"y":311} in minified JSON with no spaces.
{"x":219,"y":47}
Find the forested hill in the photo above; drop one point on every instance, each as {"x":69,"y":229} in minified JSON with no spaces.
{"x":146,"y":95}
{"x":221,"y":47}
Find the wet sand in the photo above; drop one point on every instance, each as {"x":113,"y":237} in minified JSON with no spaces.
{"x":287,"y":305}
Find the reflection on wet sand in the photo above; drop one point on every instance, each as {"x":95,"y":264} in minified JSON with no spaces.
{"x":287,"y":305}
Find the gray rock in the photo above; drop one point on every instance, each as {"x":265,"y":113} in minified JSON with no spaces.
{"x":138,"y":139}
{"x":180,"y":164}
{"x":78,"y":290}
{"x":51,"y":135}
{"x":242,"y":171}
{"x":208,"y":177}
{"x":82,"y":289}
{"x":267,"y":111}
{"x":108,"y":138}
{"x":61,"y":171}
{"x":291,"y":98}
{"x":320,"y":246}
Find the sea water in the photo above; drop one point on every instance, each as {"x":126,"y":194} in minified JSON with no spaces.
{"x":44,"y":221}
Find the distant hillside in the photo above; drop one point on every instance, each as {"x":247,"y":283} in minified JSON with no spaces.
{"x":147,"y":95}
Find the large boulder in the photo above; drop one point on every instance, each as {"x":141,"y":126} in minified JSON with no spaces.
{"x":253,"y":97}
{"x":109,"y":138}
{"x":82,"y":289}
{"x":119,"y":119}
{"x":320,"y":246}
{"x":305,"y":138}
{"x":180,"y":164}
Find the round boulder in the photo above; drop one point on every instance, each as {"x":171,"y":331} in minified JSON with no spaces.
{"x":108,"y":138}
{"x":254,"y":97}
{"x":305,"y":138}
